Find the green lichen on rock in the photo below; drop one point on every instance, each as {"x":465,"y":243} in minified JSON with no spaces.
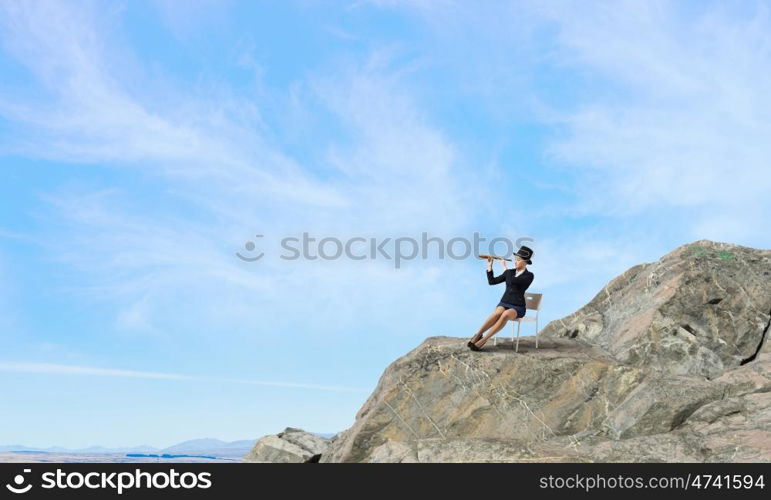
{"x":701,"y":248}
{"x":696,"y":250}
{"x":725,"y":255}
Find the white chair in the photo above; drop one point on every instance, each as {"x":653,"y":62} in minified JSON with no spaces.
{"x":532,"y":303}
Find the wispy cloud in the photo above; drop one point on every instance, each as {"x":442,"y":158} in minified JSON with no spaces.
{"x":186,"y":22}
{"x":690,"y":130}
{"x":84,"y":113}
{"x":392,"y":172}
{"x":58,"y":369}
{"x":666,"y":109}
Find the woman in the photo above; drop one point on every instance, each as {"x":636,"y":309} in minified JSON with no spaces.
{"x":512,"y":305}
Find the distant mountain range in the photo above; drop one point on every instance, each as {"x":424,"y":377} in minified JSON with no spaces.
{"x":197,"y":445}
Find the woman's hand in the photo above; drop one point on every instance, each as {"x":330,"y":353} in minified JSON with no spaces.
{"x":489,"y":263}
{"x":503,"y":263}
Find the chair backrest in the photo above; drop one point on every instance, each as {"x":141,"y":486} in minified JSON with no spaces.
{"x":533,"y":300}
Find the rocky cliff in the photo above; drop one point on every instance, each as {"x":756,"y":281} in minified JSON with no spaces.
{"x":668,"y":362}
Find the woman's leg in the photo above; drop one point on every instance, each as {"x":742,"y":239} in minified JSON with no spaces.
{"x":490,"y":321}
{"x":509,"y":314}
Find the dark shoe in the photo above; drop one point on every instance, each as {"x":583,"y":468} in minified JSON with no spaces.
{"x":474,"y":347}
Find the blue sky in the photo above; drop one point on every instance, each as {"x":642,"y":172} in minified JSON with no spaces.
{"x":143,"y":143}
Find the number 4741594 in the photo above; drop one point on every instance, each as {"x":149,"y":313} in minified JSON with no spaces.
{"x":728,"y":481}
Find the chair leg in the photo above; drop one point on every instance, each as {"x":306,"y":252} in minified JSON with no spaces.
{"x":536,"y":332}
{"x":519,"y":324}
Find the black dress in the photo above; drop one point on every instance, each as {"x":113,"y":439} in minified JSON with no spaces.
{"x":515,"y":285}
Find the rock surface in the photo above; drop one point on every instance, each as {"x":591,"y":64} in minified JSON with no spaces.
{"x":700,"y":310}
{"x":290,"y":446}
{"x":669,"y":362}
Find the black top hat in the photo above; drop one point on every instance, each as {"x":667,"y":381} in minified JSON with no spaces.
{"x":525,"y":253}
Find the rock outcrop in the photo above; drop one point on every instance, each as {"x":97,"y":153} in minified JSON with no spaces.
{"x":669,"y":362}
{"x":702,"y":309}
{"x":290,"y":446}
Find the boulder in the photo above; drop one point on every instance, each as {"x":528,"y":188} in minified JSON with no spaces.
{"x":290,"y":446}
{"x":701,"y":309}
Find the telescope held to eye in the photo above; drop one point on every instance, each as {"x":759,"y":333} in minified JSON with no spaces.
{"x":483,"y":256}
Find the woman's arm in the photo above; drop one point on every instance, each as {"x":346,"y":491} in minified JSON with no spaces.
{"x":490,"y":278}
{"x":494,"y":280}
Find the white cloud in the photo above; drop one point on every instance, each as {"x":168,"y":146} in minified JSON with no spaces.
{"x":397,"y":166}
{"x":666,"y":102}
{"x":675,"y":122}
{"x":84,"y":114}
{"x":187,"y":21}
{"x":59,"y":369}
{"x":394,"y":173}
